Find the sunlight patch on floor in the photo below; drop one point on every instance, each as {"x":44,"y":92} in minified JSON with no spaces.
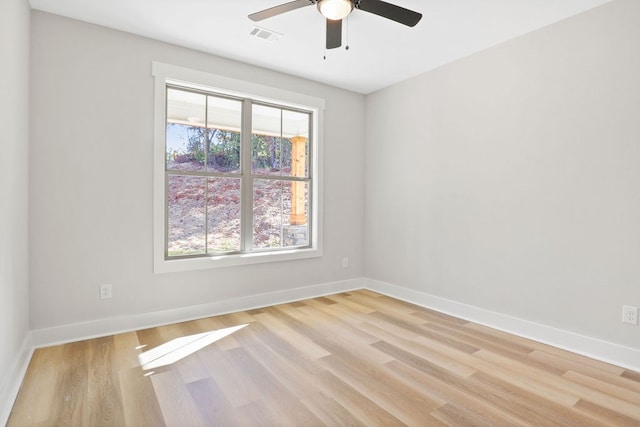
{"x":179,"y":348}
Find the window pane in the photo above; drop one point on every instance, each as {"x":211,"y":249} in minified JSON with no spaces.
{"x":186,"y":215}
{"x":280,"y":213}
{"x":295,"y":126}
{"x":266,"y":147}
{"x":223,"y":211}
{"x":185,"y":132}
{"x":223,"y":121}
{"x":280,"y":142}
{"x":266,"y":156}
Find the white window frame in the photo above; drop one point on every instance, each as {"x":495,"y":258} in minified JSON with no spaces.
{"x":171,"y":74}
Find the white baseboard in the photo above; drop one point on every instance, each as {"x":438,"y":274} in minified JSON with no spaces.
{"x":605,"y":351}
{"x":11,"y":382}
{"x":109,"y":326}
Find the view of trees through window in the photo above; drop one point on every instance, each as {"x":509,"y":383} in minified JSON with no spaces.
{"x":206,"y":173}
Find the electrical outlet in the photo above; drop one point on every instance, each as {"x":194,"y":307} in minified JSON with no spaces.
{"x":630,"y":315}
{"x":105,"y":291}
{"x":345,"y":262}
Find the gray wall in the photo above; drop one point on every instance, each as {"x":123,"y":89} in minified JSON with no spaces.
{"x":91,"y":179}
{"x":14,"y":187}
{"x":510,"y":180}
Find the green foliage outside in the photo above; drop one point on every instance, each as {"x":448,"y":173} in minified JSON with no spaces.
{"x":222,"y":148}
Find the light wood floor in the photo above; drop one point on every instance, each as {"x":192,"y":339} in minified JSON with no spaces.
{"x":356,"y":358}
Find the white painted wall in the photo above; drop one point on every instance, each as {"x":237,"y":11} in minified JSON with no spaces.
{"x":510,"y":180}
{"x":14,"y":187}
{"x":91,"y":174}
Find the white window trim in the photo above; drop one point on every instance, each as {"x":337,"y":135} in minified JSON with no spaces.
{"x":166,"y":73}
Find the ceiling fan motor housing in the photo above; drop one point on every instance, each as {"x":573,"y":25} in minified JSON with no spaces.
{"x":335,"y":9}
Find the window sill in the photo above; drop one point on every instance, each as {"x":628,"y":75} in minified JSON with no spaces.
{"x":178,"y":265}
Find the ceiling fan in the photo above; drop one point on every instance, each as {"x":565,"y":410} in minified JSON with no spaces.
{"x":335,"y":10}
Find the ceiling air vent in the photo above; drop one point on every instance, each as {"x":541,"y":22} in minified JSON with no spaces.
{"x":265,"y":34}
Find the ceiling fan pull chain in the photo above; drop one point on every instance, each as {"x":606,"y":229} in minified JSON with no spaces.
{"x":347,"y":44}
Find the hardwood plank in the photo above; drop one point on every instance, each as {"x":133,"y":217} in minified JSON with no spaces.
{"x":444,"y":361}
{"x":606,"y":416}
{"x":69,"y":406}
{"x":382,"y":388}
{"x":385,"y":304}
{"x":564,"y":384}
{"x":257,"y":414}
{"x":633,"y":376}
{"x":462,"y":391}
{"x":139,"y":400}
{"x":324,"y":300}
{"x":176,"y":403}
{"x":452,"y":414}
{"x":424,"y":332}
{"x":547,"y":349}
{"x":524,"y":381}
{"x":190,"y":368}
{"x":294,"y":371}
{"x":104,"y":404}
{"x":538,"y":410}
{"x":149,"y":338}
{"x":216,"y":323}
{"x":480,"y":340}
{"x":286,"y":350}
{"x":628,"y":394}
{"x":334,"y":335}
{"x":279,"y":400}
{"x":226,"y":370}
{"x":39,"y":386}
{"x":366,"y":411}
{"x":349,"y":304}
{"x":212,"y":405}
{"x":443,"y":319}
{"x":440,"y":389}
{"x":329,"y":411}
{"x":299,"y":341}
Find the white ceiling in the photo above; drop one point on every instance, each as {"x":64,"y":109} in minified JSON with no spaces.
{"x":381,"y":53}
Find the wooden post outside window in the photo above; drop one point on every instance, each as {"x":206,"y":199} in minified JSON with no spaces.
{"x":298,"y":164}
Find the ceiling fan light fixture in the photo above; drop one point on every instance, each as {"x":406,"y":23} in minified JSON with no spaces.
{"x":335,"y":9}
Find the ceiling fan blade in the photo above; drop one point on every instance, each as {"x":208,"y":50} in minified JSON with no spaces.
{"x":334,"y":33}
{"x":277,"y":10}
{"x":390,"y":11}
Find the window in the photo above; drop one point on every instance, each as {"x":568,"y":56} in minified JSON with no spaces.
{"x":238,"y":173}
